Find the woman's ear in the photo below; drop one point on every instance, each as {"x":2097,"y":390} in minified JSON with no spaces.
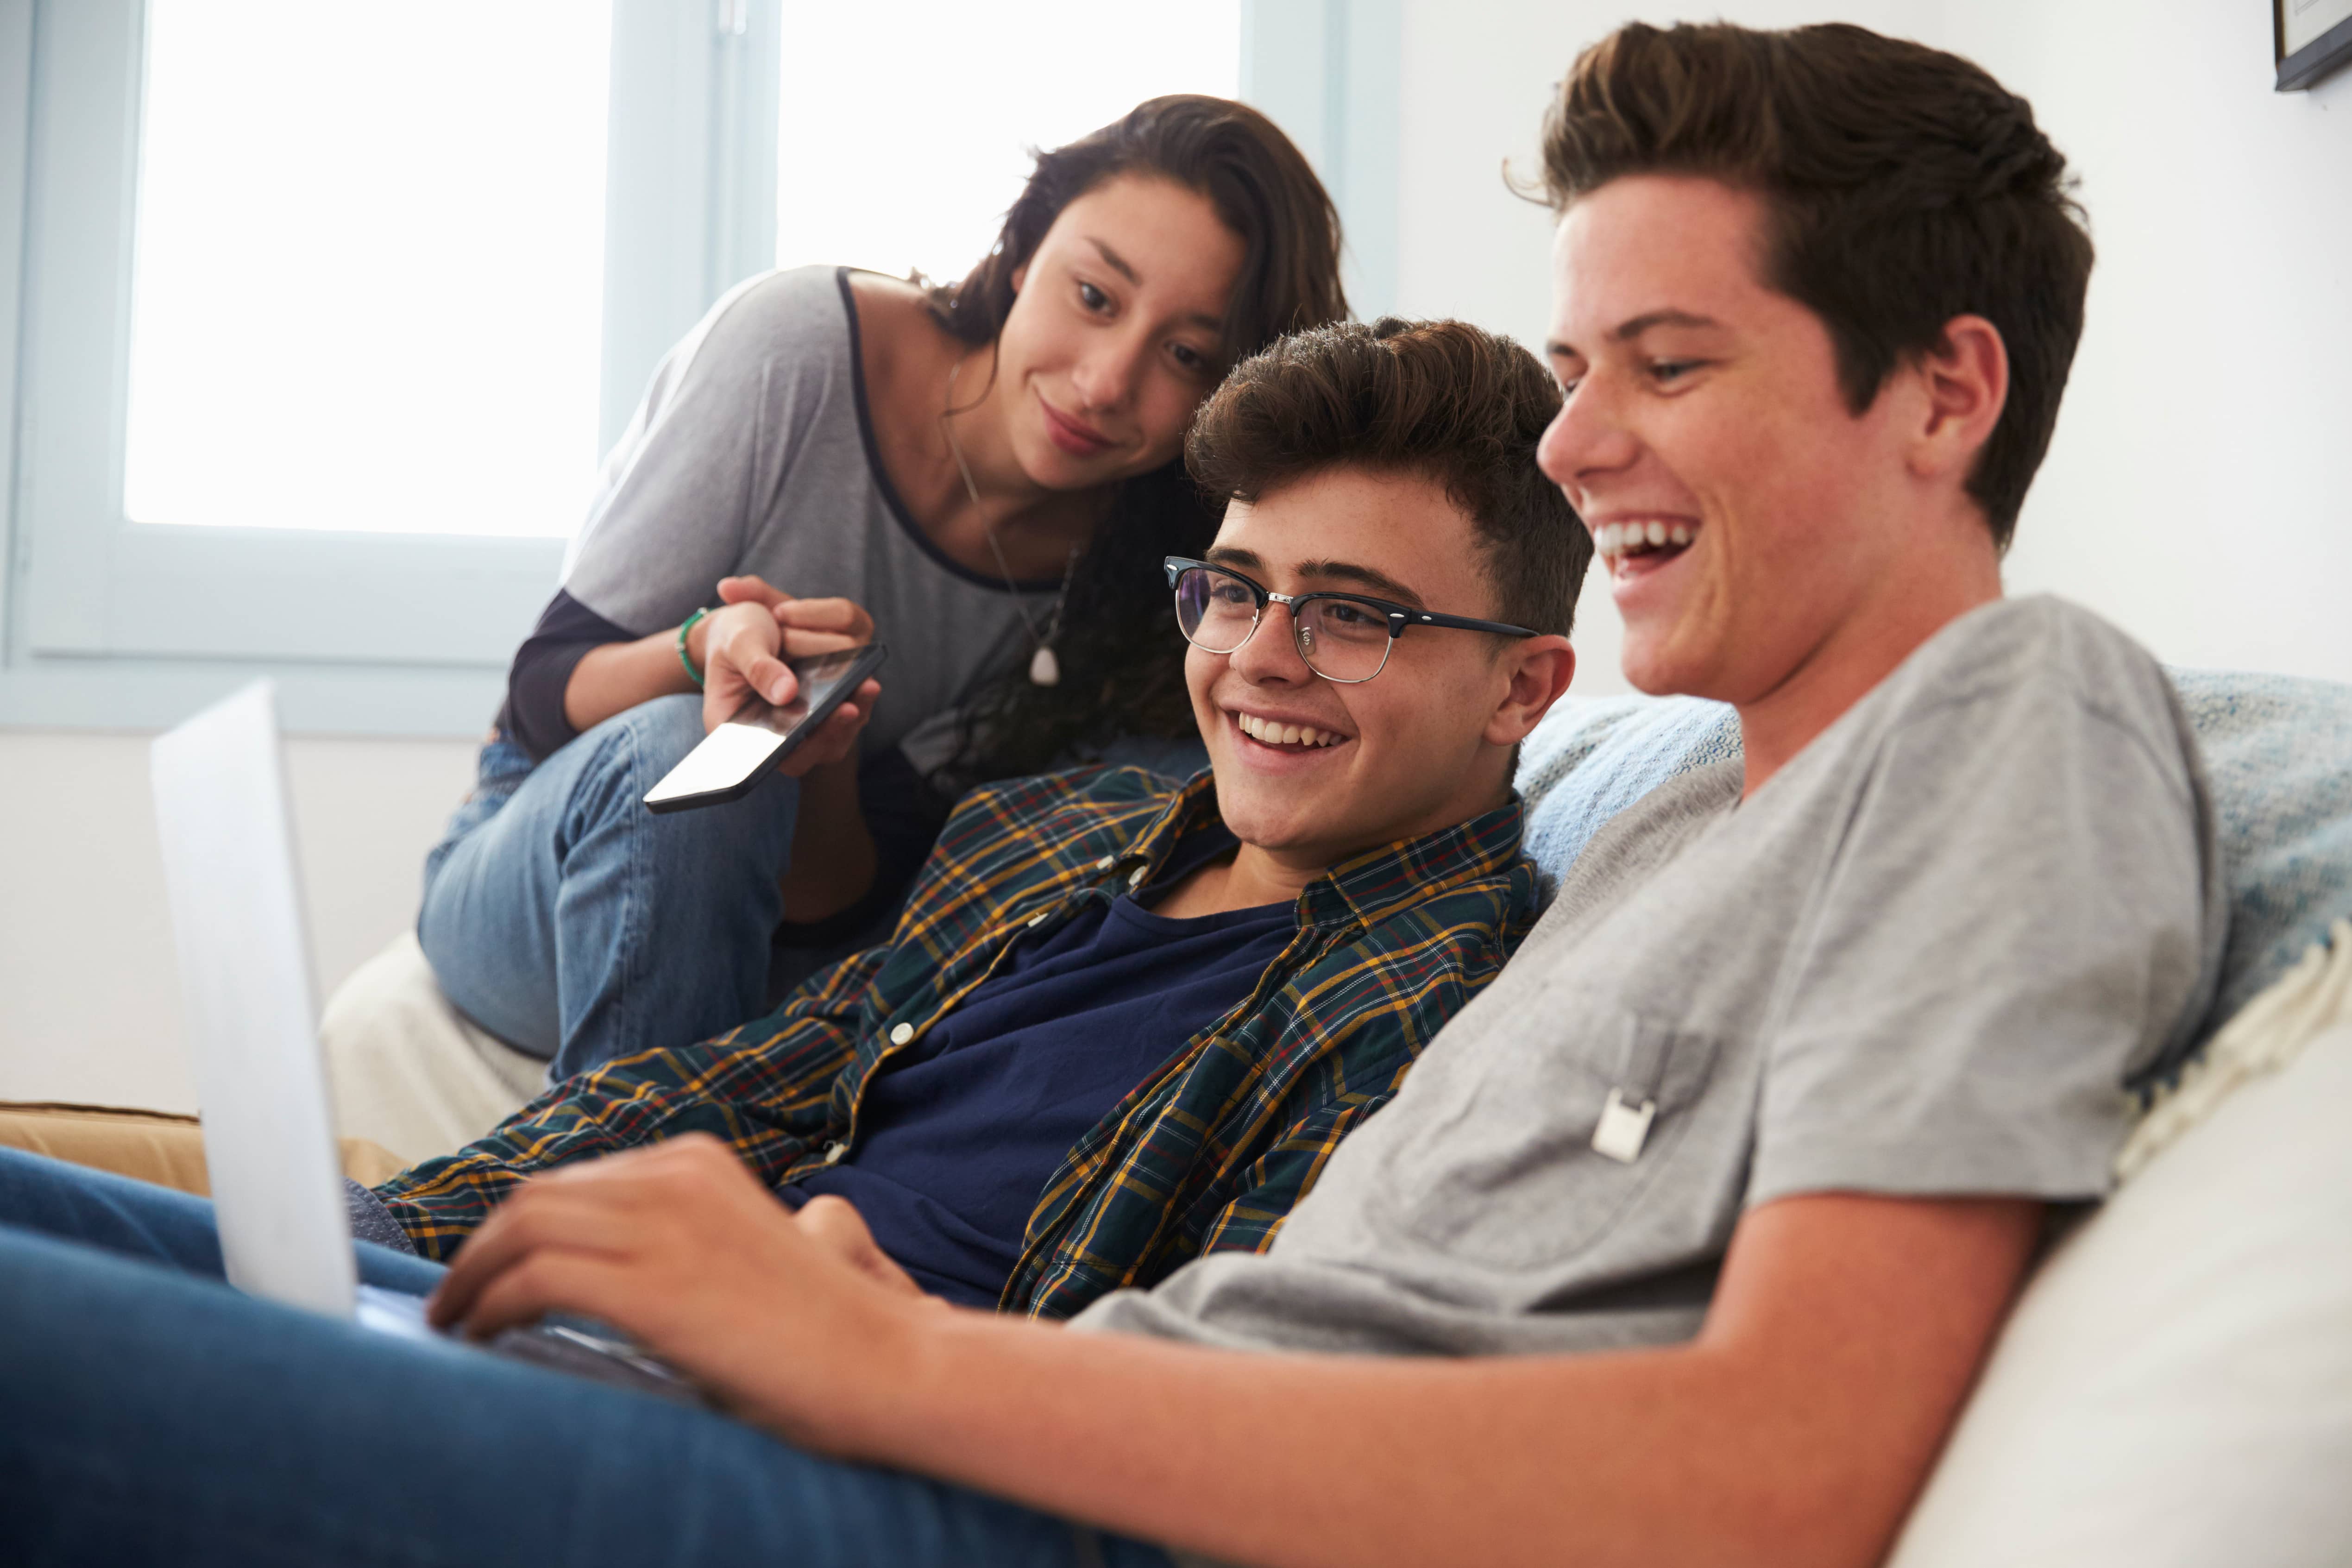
{"x":1020,"y":276}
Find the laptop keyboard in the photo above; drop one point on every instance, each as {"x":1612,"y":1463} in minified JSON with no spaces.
{"x":577,"y":1347}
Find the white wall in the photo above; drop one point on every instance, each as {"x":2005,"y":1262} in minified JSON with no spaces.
{"x":2198,"y":491}
{"x":90,"y":1007}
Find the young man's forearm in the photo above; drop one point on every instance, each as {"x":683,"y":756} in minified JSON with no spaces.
{"x":1797,"y":1429}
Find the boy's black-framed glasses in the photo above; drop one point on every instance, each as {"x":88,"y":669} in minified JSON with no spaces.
{"x":1343,"y":637}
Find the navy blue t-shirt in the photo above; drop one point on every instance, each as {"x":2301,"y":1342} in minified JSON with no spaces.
{"x":959,"y":1132}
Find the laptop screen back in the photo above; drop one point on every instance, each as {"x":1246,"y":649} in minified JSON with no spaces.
{"x":248,"y":1008}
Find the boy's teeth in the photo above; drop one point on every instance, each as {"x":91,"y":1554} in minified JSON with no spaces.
{"x":1632,"y":538}
{"x":1275,"y":734}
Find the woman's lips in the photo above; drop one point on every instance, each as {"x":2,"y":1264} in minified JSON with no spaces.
{"x":1076,"y":440}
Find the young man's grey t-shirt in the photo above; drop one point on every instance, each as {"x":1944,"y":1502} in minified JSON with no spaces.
{"x":752,"y":454}
{"x":1922,"y":960}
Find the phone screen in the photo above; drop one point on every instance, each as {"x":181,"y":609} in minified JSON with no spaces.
{"x":737,"y":755}
{"x":820,"y":676}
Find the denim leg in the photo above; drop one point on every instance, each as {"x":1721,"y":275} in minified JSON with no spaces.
{"x":153,"y":1417}
{"x":568,"y":919}
{"x":155,"y":1224}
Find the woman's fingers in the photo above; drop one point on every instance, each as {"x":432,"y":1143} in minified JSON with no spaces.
{"x":749,"y":590}
{"x":799,"y":644}
{"x":741,"y":654}
{"x":837,"y":736}
{"x":842,"y":617}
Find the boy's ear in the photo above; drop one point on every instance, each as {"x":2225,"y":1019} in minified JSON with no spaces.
{"x":1540,"y":669}
{"x":1965,"y":381}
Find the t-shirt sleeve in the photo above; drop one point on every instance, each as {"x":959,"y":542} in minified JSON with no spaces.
{"x":533,"y":716}
{"x":679,"y":499}
{"x":2014,"y":919}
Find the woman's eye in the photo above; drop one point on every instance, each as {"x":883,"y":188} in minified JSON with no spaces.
{"x":1344,"y":613}
{"x":1671,"y":369}
{"x":1188,"y":356}
{"x":1092,"y":298}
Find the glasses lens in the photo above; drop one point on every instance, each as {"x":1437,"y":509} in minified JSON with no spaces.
{"x":1214,"y":611}
{"x":1341,"y":641}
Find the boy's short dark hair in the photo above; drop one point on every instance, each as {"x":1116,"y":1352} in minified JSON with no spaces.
{"x":1441,"y":400}
{"x":1906,"y":187}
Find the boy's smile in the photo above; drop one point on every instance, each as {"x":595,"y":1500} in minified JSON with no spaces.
{"x":1311,"y":771}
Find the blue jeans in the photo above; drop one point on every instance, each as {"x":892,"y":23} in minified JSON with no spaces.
{"x":569,"y":920}
{"x":153,"y":1415}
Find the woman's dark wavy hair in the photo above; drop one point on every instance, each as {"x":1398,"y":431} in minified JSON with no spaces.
{"x":1121,"y":656}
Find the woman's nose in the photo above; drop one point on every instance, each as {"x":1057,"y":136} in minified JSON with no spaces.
{"x":1104,"y":377}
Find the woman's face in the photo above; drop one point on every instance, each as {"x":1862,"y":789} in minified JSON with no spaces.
{"x":1114,"y":333}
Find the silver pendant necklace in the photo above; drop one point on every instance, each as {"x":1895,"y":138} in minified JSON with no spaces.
{"x":1045,"y":668}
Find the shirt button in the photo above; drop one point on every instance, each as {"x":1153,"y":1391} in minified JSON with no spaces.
{"x":1041,"y":916}
{"x":1106,"y":863}
{"x":902,"y":1033}
{"x":834,"y":1152}
{"x":1137,"y":880}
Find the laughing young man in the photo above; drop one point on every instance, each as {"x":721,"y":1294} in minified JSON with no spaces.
{"x":1683,"y":1243}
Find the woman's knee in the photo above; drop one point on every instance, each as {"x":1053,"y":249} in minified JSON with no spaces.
{"x":661,"y":732}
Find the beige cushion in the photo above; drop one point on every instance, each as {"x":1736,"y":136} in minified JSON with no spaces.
{"x":2175,"y":1386}
{"x":150,"y":1145}
{"x":409,"y":1071}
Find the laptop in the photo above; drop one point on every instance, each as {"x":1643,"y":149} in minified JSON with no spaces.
{"x":250,"y":1016}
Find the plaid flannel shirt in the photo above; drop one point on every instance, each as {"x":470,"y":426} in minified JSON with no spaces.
{"x":1209,"y":1152}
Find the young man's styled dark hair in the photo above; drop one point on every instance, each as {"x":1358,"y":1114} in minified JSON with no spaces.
{"x":1906,"y":187}
{"x":1441,"y":400}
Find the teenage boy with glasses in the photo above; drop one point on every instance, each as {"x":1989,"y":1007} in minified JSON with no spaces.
{"x":1124,"y":1021}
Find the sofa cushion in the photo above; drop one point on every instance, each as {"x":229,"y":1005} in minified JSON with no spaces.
{"x":2175,"y":1386}
{"x":409,"y":1071}
{"x":151,"y":1145}
{"x":1591,"y":757}
{"x":2278,"y":750}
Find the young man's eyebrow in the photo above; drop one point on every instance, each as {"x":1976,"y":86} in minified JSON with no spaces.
{"x":1380,"y":583}
{"x":1626,"y":332}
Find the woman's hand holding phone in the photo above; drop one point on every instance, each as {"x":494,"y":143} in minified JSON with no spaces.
{"x":750,"y":637}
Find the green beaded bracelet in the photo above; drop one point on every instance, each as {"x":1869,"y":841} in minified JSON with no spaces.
{"x":682,"y":656}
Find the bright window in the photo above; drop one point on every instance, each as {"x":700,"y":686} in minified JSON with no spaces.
{"x":903,"y":128}
{"x":368,"y":280}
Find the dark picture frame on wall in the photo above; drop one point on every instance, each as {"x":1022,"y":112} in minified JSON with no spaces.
{"x":2309,"y":39}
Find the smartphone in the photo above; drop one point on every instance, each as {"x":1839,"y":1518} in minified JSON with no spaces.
{"x":733,"y":759}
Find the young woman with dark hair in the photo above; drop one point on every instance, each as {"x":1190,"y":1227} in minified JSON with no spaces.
{"x":984,"y":475}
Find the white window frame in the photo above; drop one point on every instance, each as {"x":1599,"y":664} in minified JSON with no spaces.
{"x":109,"y":624}
{"x":1331,"y":73}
